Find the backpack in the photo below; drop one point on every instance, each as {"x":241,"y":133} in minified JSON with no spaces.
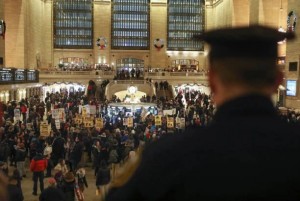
{"x":59,"y":179}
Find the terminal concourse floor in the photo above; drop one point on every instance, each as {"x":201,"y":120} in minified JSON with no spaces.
{"x":89,"y":193}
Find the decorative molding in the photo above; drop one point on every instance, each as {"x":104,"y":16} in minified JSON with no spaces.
{"x":104,"y":2}
{"x":158,"y":3}
{"x":212,"y":3}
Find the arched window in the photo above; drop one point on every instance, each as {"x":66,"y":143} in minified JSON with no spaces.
{"x":185,"y":19}
{"x":73,"y":24}
{"x":130,"y":24}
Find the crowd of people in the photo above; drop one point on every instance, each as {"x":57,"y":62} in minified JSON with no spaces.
{"x":59,"y":156}
{"x":125,"y":74}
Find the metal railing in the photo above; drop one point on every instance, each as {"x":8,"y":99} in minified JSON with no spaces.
{"x":111,"y":74}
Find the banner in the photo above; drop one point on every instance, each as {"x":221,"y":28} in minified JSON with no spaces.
{"x":57,"y":123}
{"x":170,"y":122}
{"x":157,"y":120}
{"x":168,"y":112}
{"x":84,"y":111}
{"x":62,"y":115}
{"x":78,"y":120}
{"x":29,"y":126}
{"x":17,"y":114}
{"x":44,"y":129}
{"x":125,"y":121}
{"x":99,"y":123}
{"x":79,"y":109}
{"x":92,"y":109}
{"x":55,"y":114}
{"x":88,"y":124}
{"x":130,"y":122}
{"x":177,"y":122}
{"x":182,"y":123}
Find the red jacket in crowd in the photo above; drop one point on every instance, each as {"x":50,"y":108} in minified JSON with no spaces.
{"x":23,"y":109}
{"x":38,"y":163}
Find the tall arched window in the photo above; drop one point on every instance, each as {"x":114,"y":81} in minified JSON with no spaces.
{"x":185,"y":19}
{"x":130,"y":24}
{"x":73,"y":24}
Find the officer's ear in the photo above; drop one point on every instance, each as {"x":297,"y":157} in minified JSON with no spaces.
{"x":212,"y":80}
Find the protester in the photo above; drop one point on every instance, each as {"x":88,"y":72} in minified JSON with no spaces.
{"x":21,"y":155}
{"x":61,"y":166}
{"x":14,"y":191}
{"x":68,"y":187}
{"x":51,"y":193}
{"x":81,"y":178}
{"x":37,"y":166}
{"x":47,"y":155}
{"x":102,"y":179}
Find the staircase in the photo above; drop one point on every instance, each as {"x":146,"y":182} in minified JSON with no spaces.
{"x":164,"y":93}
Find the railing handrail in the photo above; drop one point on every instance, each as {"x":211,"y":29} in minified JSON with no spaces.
{"x":111,"y":74}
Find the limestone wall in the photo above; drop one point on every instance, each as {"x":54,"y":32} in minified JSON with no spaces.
{"x":47,"y":35}
{"x":34,"y":37}
{"x":15,"y":14}
{"x":293,"y":55}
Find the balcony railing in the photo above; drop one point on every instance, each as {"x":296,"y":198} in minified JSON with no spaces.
{"x":111,"y":74}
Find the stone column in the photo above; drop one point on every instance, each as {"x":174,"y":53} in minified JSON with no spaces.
{"x":102,"y":27}
{"x":15,"y":33}
{"x":158,"y":28}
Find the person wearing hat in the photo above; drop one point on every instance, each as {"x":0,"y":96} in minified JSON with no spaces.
{"x":247,"y":152}
{"x":71,"y":189}
{"x":52,"y":193}
{"x":69,"y":186}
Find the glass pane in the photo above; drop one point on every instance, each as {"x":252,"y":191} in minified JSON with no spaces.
{"x":73,"y":24}
{"x":185,"y":19}
{"x":130,"y":19}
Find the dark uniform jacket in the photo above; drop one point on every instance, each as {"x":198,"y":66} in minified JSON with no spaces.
{"x":247,"y":153}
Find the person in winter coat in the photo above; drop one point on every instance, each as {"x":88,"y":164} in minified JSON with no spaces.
{"x":38,"y":165}
{"x":81,"y":179}
{"x":76,"y":154}
{"x":95,"y":154}
{"x":52,"y":193}
{"x":61,"y":166}
{"x":23,"y":109}
{"x":21,"y":154}
{"x":102,"y":179}
{"x":4,"y":151}
{"x":14,"y":192}
{"x":18,"y":177}
{"x":58,"y":149}
{"x":113,"y":158}
{"x":47,"y":154}
{"x":69,"y":186}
